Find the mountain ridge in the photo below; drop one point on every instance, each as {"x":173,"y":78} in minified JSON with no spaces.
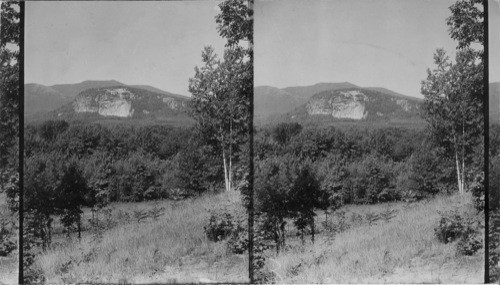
{"x":40,"y":98}
{"x":272,"y":101}
{"x":121,"y":104}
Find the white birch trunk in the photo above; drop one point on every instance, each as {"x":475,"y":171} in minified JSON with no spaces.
{"x":226,"y":180}
{"x":230,"y":172}
{"x":463,"y":157}
{"x":459,"y":180}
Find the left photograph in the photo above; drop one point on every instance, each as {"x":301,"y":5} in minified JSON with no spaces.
{"x":9,"y":140}
{"x":137,"y":141}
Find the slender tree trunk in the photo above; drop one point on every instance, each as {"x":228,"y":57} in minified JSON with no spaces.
{"x":459,"y":179}
{"x":282,"y":229}
{"x":79,"y":227}
{"x":226,"y":181}
{"x":302,"y":235}
{"x":49,"y":231}
{"x":463,"y":157}
{"x":312,"y":230}
{"x":277,"y":237}
{"x":458,"y":163}
{"x":230,"y":173}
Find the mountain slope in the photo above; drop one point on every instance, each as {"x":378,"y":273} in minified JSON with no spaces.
{"x":303,"y":93}
{"x":40,"y":98}
{"x":122,"y":103}
{"x":271,"y":101}
{"x":354,"y":105}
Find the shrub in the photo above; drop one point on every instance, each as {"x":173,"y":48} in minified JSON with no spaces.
{"x":220,"y":226}
{"x":338,"y":224}
{"x":450,"y":228}
{"x":7,"y":242}
{"x":494,"y":246}
{"x":477,"y":189}
{"x":238,"y":240}
{"x":469,"y":244}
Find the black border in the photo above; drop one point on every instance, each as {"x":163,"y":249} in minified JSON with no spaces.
{"x":21,"y":141}
{"x":486,"y":130}
{"x":251,"y":153}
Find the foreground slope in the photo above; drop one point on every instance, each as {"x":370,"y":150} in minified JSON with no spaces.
{"x":400,"y":250}
{"x":170,"y":249}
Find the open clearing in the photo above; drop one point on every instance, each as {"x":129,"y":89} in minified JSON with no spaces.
{"x":175,"y":249}
{"x":401,"y":250}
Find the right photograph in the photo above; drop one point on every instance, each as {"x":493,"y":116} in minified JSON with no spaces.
{"x":369,"y":141}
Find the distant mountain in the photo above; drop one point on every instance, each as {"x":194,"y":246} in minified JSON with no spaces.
{"x":355,"y":105}
{"x":122,"y":103}
{"x":390,"y":92}
{"x":40,"y":98}
{"x":303,"y":93}
{"x":494,"y":102}
{"x":271,"y":102}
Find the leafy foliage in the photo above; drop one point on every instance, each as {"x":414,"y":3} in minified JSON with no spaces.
{"x":219,"y":227}
{"x":494,"y":246}
{"x":7,"y":242}
{"x":453,"y":226}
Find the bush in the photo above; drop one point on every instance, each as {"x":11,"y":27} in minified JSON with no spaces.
{"x":451,"y":227}
{"x":338,"y":223}
{"x":477,"y":189}
{"x":469,"y":244}
{"x":494,"y":246}
{"x":238,"y":241}
{"x":7,"y":242}
{"x":220,"y":226}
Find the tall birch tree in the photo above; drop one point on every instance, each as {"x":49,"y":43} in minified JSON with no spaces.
{"x":222,"y":88}
{"x":454,"y":91}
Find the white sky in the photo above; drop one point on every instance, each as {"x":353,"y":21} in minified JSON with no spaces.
{"x":386,"y":43}
{"x":153,"y":43}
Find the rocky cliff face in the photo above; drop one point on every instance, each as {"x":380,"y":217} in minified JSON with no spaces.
{"x":357,"y":104}
{"x":124,"y":102}
{"x":341,"y":105}
{"x":109,"y":102}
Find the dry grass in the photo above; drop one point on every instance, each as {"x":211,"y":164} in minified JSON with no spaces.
{"x":402,"y":250}
{"x":174,"y":249}
{"x":171,"y":249}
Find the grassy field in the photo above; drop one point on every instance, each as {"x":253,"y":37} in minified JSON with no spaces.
{"x":400,"y":250}
{"x":173,"y":248}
